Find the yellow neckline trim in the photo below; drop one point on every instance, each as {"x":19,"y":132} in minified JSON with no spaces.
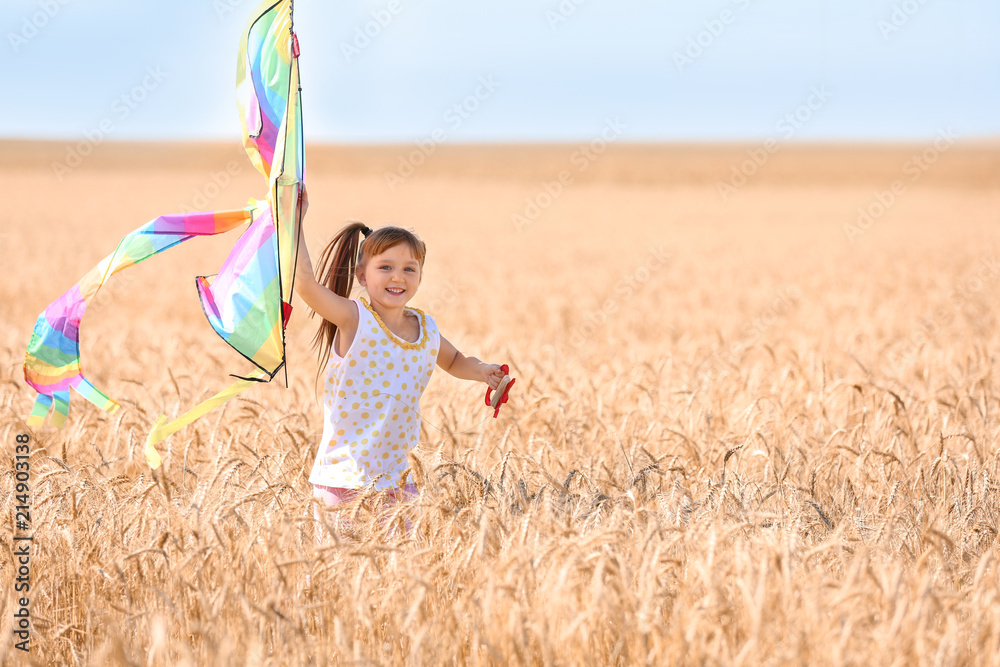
{"x":405,"y":344}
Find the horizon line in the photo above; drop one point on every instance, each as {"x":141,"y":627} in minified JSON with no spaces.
{"x":981,"y":140}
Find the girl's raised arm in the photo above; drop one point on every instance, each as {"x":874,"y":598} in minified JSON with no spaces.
{"x":332,"y":307}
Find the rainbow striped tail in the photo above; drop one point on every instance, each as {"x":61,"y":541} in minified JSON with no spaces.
{"x":52,"y":361}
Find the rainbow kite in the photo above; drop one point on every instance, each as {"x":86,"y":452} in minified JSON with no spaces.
{"x":248,"y":301}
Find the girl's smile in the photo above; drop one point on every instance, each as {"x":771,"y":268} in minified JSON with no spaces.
{"x":391,"y":277}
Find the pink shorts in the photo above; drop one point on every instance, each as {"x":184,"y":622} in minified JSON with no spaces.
{"x":334,"y":496}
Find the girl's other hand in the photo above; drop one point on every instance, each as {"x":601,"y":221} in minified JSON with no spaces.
{"x":492,"y":375}
{"x":303,"y":202}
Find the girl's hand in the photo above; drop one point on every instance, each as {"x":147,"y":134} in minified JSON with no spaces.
{"x":492,"y":375}
{"x":303,"y":202}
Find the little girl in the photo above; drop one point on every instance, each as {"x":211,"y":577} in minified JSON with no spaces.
{"x":378,"y":356}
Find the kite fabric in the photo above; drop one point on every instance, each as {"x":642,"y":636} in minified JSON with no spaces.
{"x":248,"y":301}
{"x":52,"y":363}
{"x":162,"y":429}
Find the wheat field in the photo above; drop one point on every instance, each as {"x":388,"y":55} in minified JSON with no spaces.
{"x":745,"y":431}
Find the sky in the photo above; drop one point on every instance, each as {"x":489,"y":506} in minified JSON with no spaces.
{"x":389,"y":71}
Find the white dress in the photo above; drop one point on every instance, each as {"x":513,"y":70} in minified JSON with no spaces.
{"x":371,"y":403}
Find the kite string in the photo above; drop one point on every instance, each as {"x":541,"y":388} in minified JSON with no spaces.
{"x":447,"y":431}
{"x":428,"y":422}
{"x":433,"y":425}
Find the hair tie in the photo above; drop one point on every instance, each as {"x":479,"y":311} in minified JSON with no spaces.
{"x":366,"y":231}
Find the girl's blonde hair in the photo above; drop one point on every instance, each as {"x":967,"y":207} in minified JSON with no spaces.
{"x":341,"y":260}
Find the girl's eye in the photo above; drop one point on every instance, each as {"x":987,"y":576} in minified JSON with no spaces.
{"x":411,"y":269}
{"x":384,"y":267}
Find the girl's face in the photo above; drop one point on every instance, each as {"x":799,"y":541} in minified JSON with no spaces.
{"x":391,"y":277}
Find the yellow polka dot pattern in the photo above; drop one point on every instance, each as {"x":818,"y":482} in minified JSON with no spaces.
{"x":368,"y":431}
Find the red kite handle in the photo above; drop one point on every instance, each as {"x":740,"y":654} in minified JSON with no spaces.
{"x":503,"y":391}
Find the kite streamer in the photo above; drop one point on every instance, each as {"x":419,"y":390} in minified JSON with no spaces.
{"x":163,"y":430}
{"x":248,"y":301}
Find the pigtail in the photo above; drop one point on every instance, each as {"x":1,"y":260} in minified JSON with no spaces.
{"x":337,"y":266}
